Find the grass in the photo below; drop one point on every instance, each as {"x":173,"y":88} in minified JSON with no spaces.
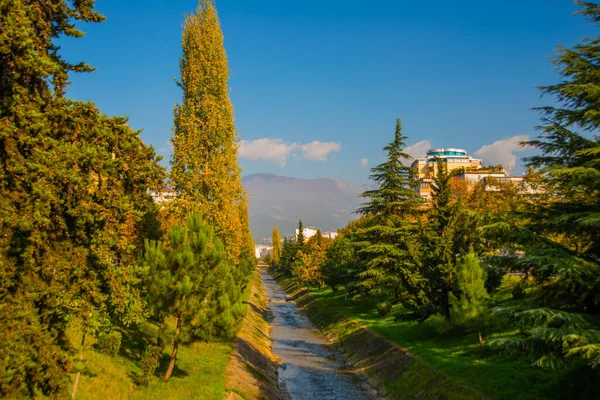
{"x":199,"y":372}
{"x":457,"y":353}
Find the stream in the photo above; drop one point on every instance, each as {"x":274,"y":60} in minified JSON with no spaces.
{"x":312,"y":368}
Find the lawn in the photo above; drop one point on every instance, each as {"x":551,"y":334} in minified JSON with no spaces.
{"x":458,"y":354}
{"x":199,"y":372}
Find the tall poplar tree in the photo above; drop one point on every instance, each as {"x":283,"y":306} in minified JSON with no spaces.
{"x":205,"y":168}
{"x":276,"y":252}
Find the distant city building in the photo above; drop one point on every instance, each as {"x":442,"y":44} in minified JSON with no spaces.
{"x":163,"y":195}
{"x":330,"y":235}
{"x":308,"y":232}
{"x":427,"y":166}
{"x":471,"y":170}
{"x":261,"y":250}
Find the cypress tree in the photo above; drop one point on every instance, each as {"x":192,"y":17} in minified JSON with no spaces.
{"x":205,"y":168}
{"x":71,"y":182}
{"x":300,"y":237}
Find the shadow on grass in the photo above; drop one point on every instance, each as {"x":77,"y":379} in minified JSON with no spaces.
{"x":164,"y":364}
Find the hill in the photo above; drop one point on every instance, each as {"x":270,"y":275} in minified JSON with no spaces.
{"x":324,"y":203}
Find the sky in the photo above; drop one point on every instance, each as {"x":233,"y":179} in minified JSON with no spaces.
{"x":317,"y":84}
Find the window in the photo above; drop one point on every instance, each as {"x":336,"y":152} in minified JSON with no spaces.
{"x":424,"y":185}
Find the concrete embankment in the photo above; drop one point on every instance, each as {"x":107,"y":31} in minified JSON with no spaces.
{"x":252,"y":370}
{"x":392,"y":370}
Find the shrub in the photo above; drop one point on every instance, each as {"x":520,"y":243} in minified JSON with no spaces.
{"x":384,"y":309}
{"x":438,"y":323}
{"x":110,"y":343}
{"x":148,"y":364}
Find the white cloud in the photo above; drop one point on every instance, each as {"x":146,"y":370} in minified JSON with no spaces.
{"x":270,"y":150}
{"x":278,"y":151}
{"x":417,"y":150}
{"x":364,"y":162}
{"x":502,"y":152}
{"x":166,"y":148}
{"x":318,"y":151}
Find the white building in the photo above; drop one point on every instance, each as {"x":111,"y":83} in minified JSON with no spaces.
{"x":308,"y":232}
{"x":330,"y":235}
{"x":163,"y":195}
{"x":261,"y":250}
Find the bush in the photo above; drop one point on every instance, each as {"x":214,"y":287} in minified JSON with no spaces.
{"x":438,"y":323}
{"x":148,"y":364}
{"x":110,"y":343}
{"x":384,"y":309}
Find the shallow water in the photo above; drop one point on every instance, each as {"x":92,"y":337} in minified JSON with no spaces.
{"x":312,"y":369}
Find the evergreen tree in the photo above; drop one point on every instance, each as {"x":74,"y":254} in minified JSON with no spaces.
{"x":395,"y":194}
{"x":300,"y":237}
{"x":276,"y":252}
{"x":560,"y":238}
{"x":340,"y":263}
{"x":187,"y":281}
{"x":441,"y":242}
{"x":289,"y":252}
{"x":72,"y":181}
{"x":205,"y":168}
{"x":386,"y":244}
{"x":468,"y":297}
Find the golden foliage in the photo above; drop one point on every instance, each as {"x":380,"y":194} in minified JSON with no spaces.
{"x":205,"y":169}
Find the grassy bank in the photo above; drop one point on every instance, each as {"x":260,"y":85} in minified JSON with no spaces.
{"x":200,"y":372}
{"x":457,"y":354}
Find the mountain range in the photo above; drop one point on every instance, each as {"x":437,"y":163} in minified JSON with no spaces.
{"x":324,"y":203}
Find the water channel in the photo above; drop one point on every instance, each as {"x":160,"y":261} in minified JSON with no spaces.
{"x":312,"y":368}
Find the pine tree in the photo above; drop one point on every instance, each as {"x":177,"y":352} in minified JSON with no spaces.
{"x":386,"y":243}
{"x":72,"y":181}
{"x":441,"y":242}
{"x":205,"y":168}
{"x":468,"y":298}
{"x":187,"y":281}
{"x":300,"y":237}
{"x":276,"y":252}
{"x":340,"y":263}
{"x":560,"y":238}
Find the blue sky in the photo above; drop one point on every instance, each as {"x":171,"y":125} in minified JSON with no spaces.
{"x":338,"y":73}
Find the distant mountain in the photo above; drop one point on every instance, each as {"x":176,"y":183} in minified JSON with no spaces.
{"x":324,"y":203}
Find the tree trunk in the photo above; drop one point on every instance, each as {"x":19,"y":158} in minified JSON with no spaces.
{"x":175,"y":348}
{"x":446,"y":305}
{"x":480,"y":337}
{"x":74,"y":392}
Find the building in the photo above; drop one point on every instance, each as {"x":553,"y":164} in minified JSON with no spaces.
{"x":330,"y":235}
{"x":163,"y":195}
{"x":426,"y":167}
{"x":308,"y":232}
{"x":261,"y":250}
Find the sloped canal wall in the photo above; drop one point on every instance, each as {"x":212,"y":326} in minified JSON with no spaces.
{"x":392,"y":370}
